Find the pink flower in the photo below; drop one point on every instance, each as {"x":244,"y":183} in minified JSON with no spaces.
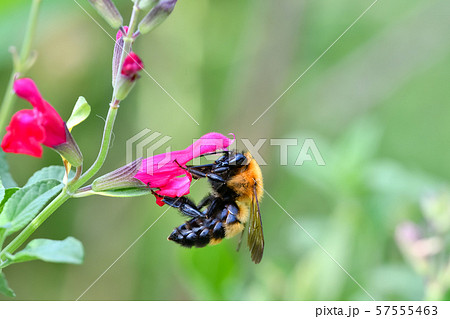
{"x":131,"y":66}
{"x":163,"y":171}
{"x":29,"y":129}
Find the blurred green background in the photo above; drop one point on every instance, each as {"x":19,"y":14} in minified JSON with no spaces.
{"x":376,"y":104}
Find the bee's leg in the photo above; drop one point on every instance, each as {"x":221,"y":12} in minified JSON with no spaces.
{"x":199,"y":174}
{"x":205,"y":201}
{"x":216,"y":152}
{"x":213,"y":171}
{"x":184,"y":205}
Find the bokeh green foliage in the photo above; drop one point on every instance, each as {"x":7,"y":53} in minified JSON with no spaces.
{"x":376,"y":104}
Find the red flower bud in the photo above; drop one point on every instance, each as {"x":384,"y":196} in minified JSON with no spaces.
{"x":132,"y":65}
{"x":128,"y":76}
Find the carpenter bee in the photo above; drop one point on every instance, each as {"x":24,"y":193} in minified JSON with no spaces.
{"x":236,"y":188}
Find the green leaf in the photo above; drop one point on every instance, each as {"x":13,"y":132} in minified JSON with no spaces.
{"x":8,"y":193}
{"x":80,"y":112}
{"x":69,"y":250}
{"x":26,"y":203}
{"x":2,"y":191}
{"x":50,"y":172}
{"x":4,"y":288}
{"x":6,"y":177}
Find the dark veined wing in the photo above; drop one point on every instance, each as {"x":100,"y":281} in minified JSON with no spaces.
{"x":255,"y":239}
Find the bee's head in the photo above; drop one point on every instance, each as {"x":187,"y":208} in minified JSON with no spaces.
{"x":233,"y":159}
{"x":239,"y":159}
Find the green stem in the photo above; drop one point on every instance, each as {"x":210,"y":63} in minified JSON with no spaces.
{"x":107,"y":134}
{"x":127,"y":43}
{"x":101,"y":157}
{"x":34,"y":224}
{"x":21,"y":66}
{"x":8,"y":101}
{"x":2,"y":237}
{"x":29,"y":35}
{"x":114,"y":106}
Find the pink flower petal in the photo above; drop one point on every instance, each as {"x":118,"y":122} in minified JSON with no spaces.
{"x":162,"y":171}
{"x":177,"y":187}
{"x":153,"y":181}
{"x":208,"y":143}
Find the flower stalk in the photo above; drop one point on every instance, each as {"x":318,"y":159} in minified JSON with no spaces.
{"x":20,"y":66}
{"x":76,"y":183}
{"x":113,"y":109}
{"x":127,"y":43}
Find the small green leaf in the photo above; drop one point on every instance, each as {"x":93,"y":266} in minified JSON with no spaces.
{"x":26,"y":203}
{"x":50,"y":172}
{"x":8,"y":193}
{"x":80,"y":112}
{"x":69,"y":250}
{"x":6,"y":177}
{"x":4,"y":288}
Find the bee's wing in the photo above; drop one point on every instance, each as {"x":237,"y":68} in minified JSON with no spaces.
{"x":240,"y":238}
{"x":255,"y":239}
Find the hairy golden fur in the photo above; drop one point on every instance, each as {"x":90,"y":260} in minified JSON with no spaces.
{"x":243,"y":182}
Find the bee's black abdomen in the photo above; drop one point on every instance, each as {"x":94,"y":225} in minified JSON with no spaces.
{"x":218,"y":231}
{"x":191,"y":238}
{"x":204,"y":238}
{"x":231,"y":219}
{"x":223,"y":214}
{"x":199,"y":231}
{"x":232,"y":209}
{"x":195,"y":232}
